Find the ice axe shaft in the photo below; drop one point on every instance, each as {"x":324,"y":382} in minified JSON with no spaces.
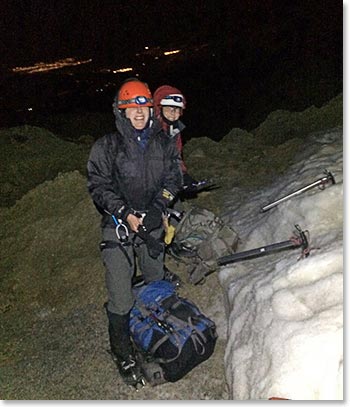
{"x":320,"y":183}
{"x":298,"y":240}
{"x":204,"y":185}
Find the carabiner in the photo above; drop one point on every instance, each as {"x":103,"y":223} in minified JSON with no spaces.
{"x":124,"y":235}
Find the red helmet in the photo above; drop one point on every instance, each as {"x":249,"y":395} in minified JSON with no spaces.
{"x":168,"y":96}
{"x":134,"y":93}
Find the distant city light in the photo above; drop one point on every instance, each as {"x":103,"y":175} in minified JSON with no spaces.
{"x":43,"y":66}
{"x":121,"y":70}
{"x":172,"y":52}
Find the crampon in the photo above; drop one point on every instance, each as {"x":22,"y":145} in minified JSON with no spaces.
{"x":130,"y":371}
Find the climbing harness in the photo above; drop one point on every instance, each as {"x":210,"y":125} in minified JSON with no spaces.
{"x":122,"y":232}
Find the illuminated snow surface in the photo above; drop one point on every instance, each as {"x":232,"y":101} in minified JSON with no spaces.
{"x":285,"y":316}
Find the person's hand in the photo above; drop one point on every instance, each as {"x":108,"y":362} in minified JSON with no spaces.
{"x":153,"y":218}
{"x":134,"y":222}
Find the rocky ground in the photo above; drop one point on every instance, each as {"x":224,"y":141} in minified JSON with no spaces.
{"x":67,"y":358}
{"x":53,"y":336}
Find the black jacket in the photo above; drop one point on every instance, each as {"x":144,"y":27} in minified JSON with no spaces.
{"x":122,"y":176}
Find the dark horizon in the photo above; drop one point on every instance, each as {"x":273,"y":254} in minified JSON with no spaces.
{"x":258,"y":57}
{"x":44,"y":31}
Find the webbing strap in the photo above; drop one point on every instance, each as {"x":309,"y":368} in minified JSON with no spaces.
{"x":148,"y":313}
{"x":110,"y":244}
{"x":160,"y":342}
{"x":198,"y":338}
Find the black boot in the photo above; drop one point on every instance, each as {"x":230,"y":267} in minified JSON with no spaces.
{"x":121,"y":348}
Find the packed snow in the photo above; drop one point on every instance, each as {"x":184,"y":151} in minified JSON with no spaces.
{"x":285,"y":310}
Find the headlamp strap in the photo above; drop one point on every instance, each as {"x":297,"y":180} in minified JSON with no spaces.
{"x":138,"y":100}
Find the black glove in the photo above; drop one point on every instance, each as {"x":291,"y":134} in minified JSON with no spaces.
{"x":154,"y":246}
{"x":188,"y":180}
{"x":153,"y":219}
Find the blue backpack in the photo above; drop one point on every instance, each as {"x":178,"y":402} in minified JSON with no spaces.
{"x":169,"y":330}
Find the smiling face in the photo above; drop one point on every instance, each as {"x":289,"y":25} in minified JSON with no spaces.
{"x":171,"y":113}
{"x":138,"y":116}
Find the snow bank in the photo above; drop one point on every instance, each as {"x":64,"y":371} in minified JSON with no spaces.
{"x":285,"y":313}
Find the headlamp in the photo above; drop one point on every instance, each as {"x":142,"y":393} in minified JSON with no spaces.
{"x":138,"y":100}
{"x":175,"y":98}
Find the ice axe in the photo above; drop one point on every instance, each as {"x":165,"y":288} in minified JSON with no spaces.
{"x":299,"y":239}
{"x":204,"y":185}
{"x":321,"y":183}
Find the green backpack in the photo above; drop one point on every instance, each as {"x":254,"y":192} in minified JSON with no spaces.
{"x":200,"y":239}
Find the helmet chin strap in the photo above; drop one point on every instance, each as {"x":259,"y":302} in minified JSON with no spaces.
{"x":150,"y":120}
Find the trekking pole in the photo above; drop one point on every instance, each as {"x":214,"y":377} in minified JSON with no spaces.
{"x":298,"y":240}
{"x":321,"y":183}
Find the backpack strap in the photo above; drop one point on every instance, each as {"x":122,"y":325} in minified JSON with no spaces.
{"x":199,"y":340}
{"x":157,"y":345}
{"x":167,"y":329}
{"x":166,"y":325}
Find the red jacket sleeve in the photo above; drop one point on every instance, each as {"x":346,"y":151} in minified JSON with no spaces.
{"x":180,"y":147}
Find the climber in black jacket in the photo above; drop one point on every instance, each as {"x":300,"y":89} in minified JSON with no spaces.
{"x":133,"y":175}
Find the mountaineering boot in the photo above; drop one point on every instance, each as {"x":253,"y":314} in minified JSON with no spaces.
{"x":122,"y":349}
{"x":129,"y":370}
{"x":172,"y":277}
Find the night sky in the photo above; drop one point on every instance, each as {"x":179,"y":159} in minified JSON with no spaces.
{"x":262,"y":54}
{"x":104,"y":30}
